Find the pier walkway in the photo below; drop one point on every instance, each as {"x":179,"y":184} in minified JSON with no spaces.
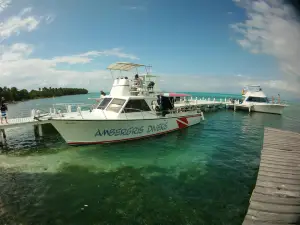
{"x":16,"y":122}
{"x":276,"y":196}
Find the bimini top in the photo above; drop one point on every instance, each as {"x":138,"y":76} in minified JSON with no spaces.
{"x":124,"y":66}
{"x":253,"y":85}
{"x":252,"y":88}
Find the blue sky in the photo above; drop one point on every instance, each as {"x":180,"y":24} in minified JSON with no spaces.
{"x":180,"y":40}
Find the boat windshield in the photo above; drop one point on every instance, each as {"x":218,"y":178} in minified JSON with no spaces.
{"x":115,"y":105}
{"x":257,"y":99}
{"x":136,"y":105}
{"x":104,"y":103}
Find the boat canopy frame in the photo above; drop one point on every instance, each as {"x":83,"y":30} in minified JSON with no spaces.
{"x":252,"y":88}
{"x":127,"y":67}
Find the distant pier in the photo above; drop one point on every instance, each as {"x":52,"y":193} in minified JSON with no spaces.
{"x":276,"y":197}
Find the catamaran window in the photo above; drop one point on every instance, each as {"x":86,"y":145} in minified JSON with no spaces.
{"x":136,"y":105}
{"x":104,"y":103}
{"x":115,"y":105}
{"x":257,"y":99}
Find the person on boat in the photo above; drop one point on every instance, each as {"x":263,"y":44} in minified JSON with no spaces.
{"x":102,"y":94}
{"x":137,"y":80}
{"x":3,"y":110}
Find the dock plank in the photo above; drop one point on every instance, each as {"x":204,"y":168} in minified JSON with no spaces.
{"x":288,"y":168}
{"x":279,"y":152}
{"x":280,"y":170}
{"x":274,"y":199}
{"x":279,"y":156}
{"x":286,"y":164}
{"x":249,"y":220}
{"x":269,"y":217}
{"x":278,"y":179}
{"x":277,"y":185}
{"x":274,"y":208}
{"x":276,"y":191}
{"x":276,"y":196}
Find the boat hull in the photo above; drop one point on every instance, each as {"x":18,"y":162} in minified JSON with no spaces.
{"x":274,"y":109}
{"x":81,"y":132}
{"x":264,"y":108}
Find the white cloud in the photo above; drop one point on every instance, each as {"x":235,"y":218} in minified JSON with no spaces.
{"x":4,"y":4}
{"x":89,"y":56}
{"x":20,"y":70}
{"x":25,"y":11}
{"x":273,"y":29}
{"x":15,"y":52}
{"x":16,"y":24}
{"x":136,"y":7}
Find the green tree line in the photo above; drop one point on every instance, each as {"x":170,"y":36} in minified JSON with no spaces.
{"x":14,"y":94}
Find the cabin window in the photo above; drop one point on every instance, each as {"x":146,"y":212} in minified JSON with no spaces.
{"x":115,"y":105}
{"x":257,"y":99}
{"x":104,"y":103}
{"x":136,"y":105}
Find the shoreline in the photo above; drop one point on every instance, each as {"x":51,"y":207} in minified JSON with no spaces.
{"x":16,"y":102}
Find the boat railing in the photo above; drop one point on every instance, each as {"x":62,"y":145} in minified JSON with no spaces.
{"x":175,"y":111}
{"x":58,"y":109}
{"x":199,"y":99}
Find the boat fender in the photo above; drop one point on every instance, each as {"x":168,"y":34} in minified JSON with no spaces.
{"x":202,"y":115}
{"x":33,"y":113}
{"x":79,"y":110}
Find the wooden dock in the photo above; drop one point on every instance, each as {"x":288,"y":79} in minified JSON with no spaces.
{"x":276,"y":196}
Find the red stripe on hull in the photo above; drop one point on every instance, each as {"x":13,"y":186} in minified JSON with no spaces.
{"x":181,"y":125}
{"x":184,"y":119}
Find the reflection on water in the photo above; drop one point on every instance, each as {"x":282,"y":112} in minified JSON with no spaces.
{"x":200,"y":175}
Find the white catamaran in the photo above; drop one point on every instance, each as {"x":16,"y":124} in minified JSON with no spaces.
{"x":135,"y":108}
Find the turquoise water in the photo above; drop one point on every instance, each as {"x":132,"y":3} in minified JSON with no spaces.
{"x":201,"y":175}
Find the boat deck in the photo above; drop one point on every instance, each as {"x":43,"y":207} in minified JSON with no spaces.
{"x":276,"y":196}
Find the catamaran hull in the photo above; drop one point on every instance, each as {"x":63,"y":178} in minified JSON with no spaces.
{"x":80,"y":132}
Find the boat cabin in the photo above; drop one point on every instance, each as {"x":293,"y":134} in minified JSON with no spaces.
{"x":139,"y":96}
{"x":254,"y":93}
{"x":139,"y":106}
{"x":136,"y":105}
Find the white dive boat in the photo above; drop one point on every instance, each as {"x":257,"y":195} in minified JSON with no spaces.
{"x":134,"y":109}
{"x":254,"y":99}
